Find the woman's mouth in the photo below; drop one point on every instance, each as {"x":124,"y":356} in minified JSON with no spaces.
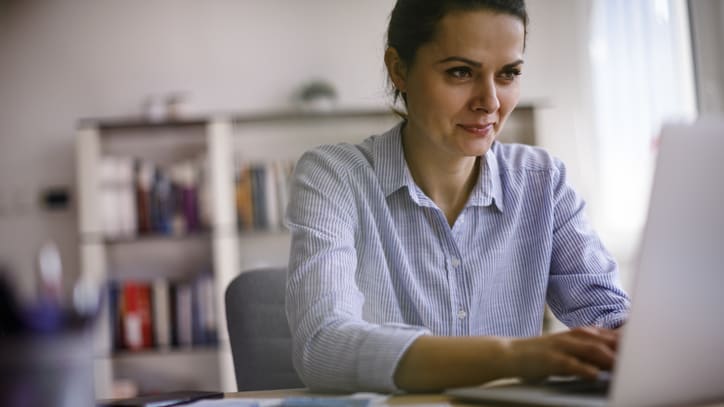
{"x":480,"y":130}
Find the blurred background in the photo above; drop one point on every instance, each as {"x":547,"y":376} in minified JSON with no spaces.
{"x":600,"y":78}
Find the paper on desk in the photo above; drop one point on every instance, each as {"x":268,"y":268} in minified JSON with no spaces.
{"x":238,"y":403}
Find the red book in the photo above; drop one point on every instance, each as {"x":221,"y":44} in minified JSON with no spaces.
{"x":136,"y":316}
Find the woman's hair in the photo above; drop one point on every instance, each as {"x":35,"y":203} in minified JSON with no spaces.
{"x":413,"y":23}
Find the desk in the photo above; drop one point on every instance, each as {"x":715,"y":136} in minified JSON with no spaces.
{"x":398,"y":400}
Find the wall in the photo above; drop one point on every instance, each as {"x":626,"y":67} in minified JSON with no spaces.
{"x":60,"y":61}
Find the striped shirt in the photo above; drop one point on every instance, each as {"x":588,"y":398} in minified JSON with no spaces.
{"x":374,"y":263}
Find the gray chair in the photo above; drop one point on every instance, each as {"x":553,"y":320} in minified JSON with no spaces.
{"x":261,"y":342}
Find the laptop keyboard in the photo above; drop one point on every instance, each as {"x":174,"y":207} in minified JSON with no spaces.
{"x":599,"y":386}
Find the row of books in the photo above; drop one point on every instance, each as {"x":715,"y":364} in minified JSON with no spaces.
{"x":262,"y":194}
{"x":141,"y":198}
{"x":162,"y":314}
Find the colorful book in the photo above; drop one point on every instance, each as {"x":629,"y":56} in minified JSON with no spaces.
{"x":136,"y":316}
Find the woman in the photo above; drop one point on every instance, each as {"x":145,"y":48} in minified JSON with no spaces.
{"x":423,"y":258}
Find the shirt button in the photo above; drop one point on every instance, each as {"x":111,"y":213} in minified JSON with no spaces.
{"x":455,"y":261}
{"x":462,"y":314}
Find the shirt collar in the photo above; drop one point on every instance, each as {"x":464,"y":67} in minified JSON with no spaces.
{"x":393,"y":173}
{"x":488,"y":189}
{"x":389,"y":161}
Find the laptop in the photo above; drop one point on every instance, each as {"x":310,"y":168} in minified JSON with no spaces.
{"x":672,"y":347}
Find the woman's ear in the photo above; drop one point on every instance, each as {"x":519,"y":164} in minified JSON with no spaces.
{"x":396,"y":69}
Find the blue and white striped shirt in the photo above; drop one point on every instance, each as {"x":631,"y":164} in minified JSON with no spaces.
{"x":374,"y":263}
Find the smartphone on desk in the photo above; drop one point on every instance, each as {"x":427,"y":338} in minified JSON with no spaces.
{"x":175,"y":398}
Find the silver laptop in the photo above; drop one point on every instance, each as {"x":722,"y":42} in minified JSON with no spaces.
{"x":672,"y":348}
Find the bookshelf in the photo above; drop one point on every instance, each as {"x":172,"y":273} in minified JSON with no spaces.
{"x":165,"y":253}
{"x":220,"y":143}
{"x":224,"y":144}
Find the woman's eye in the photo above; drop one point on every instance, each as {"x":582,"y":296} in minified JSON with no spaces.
{"x":460,"y":72}
{"x":511,"y":74}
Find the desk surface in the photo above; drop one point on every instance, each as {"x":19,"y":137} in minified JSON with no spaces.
{"x":396,"y":400}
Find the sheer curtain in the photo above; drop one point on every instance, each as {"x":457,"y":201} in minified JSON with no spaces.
{"x":642,"y":77}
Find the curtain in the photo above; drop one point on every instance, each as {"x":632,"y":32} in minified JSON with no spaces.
{"x":640,"y":57}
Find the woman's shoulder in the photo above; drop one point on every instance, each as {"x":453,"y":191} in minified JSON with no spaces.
{"x":514,"y":157}
{"x":338,"y":156}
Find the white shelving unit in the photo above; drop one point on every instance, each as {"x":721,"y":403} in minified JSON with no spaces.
{"x":166,"y":257}
{"x":265,"y":136}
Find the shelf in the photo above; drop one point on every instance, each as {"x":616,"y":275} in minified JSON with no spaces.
{"x":165,"y":352}
{"x":158,"y":238}
{"x":142,"y":123}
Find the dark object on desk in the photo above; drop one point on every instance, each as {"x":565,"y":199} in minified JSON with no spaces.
{"x":176,"y":398}
{"x":261,"y":342}
{"x":10,"y":321}
{"x":46,"y":357}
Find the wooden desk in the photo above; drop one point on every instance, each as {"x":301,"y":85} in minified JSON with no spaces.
{"x":396,"y":400}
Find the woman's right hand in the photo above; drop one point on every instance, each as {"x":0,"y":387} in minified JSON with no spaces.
{"x":580,"y":352}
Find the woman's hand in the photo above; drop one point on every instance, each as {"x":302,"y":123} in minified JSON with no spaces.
{"x":580,"y":352}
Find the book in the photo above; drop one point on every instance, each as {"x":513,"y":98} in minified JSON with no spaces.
{"x":204,"y":310}
{"x":258,"y":190}
{"x":136,"y":316}
{"x":183,"y":317}
{"x":114,"y":315}
{"x":143,"y":181}
{"x":244,"y":198}
{"x":126,"y":190}
{"x":108,"y":197}
{"x":262,"y":194}
{"x":161,"y":313}
{"x":271,"y":198}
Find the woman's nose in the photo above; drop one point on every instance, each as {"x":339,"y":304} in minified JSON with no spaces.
{"x":485,"y":97}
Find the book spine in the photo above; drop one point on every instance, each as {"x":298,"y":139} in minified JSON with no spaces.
{"x":161,"y":313}
{"x":184,"y":322}
{"x":244,"y":199}
{"x":271,"y":199}
{"x":114,"y":314}
{"x":143,"y":179}
{"x":136,"y":316}
{"x":258,"y":175}
{"x":127,"y":211}
{"x":109,"y":197}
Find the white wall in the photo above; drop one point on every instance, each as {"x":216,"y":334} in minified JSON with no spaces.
{"x":63,"y":60}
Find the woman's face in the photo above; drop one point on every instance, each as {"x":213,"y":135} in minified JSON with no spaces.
{"x":462,"y":85}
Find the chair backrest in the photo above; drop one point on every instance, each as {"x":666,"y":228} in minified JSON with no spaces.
{"x":260,"y":339}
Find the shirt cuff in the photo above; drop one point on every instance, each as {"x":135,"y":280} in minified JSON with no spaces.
{"x":612,"y":321}
{"x":380,"y":353}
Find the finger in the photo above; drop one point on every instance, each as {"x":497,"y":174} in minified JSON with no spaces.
{"x":606,"y":336}
{"x":591,"y":351}
{"x":566,"y":365}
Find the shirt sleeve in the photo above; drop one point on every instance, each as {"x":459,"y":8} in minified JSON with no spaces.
{"x":333,"y":347}
{"x":584,"y":283}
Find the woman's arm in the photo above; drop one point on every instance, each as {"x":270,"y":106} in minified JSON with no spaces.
{"x":433,"y":363}
{"x":583,"y":286}
{"x":334,"y":347}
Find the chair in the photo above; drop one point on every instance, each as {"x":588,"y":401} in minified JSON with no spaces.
{"x":261,"y":343}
